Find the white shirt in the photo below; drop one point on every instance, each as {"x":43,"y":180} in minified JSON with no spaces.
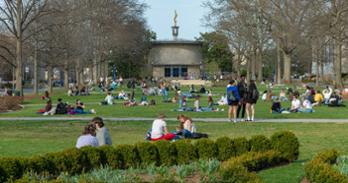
{"x":196,"y":104}
{"x":264,"y":97}
{"x":295,"y":104}
{"x":158,"y":128}
{"x":307,"y":104}
{"x":87,"y":140}
{"x":327,"y":93}
{"x":109,"y":99}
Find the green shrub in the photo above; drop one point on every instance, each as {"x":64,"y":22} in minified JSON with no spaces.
{"x":113,"y":156}
{"x":95,"y":157}
{"x":186,"y":152}
{"x":320,"y":169}
{"x":287,"y":144}
{"x":206,"y":149}
{"x":226,"y":148}
{"x":237,"y":173}
{"x":148,"y":154}
{"x":259,"y":143}
{"x":130,"y":155}
{"x":11,"y":168}
{"x":72,"y":161}
{"x":241,"y":145}
{"x":40,"y":165}
{"x":167,"y":152}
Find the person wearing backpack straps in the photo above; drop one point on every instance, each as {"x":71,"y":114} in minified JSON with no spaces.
{"x":251,"y":100}
{"x":233,"y":99}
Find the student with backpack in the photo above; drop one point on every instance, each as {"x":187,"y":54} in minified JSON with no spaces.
{"x":233,"y":99}
{"x":251,"y":99}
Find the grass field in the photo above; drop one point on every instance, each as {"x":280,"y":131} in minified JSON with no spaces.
{"x":23,"y":138}
{"x":118,"y":110}
{"x":33,"y":138}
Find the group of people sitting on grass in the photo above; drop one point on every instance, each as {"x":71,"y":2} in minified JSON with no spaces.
{"x":65,"y":108}
{"x":74,"y":90}
{"x":186,"y":129}
{"x":129,"y":99}
{"x":310,"y":98}
{"x":95,"y":134}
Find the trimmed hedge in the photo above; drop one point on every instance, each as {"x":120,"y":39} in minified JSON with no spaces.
{"x":320,"y":168}
{"x":239,"y":169}
{"x":287,"y":144}
{"x":162,"y":153}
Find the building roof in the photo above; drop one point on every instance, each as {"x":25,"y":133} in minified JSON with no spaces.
{"x":179,"y":41}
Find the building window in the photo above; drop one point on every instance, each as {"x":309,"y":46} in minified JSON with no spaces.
{"x":176,"y":72}
{"x":183,"y":71}
{"x":167,"y":72}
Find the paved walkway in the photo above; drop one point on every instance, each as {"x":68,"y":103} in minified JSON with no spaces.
{"x":74,"y":118}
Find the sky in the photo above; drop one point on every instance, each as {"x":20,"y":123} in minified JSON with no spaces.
{"x":160,"y":15}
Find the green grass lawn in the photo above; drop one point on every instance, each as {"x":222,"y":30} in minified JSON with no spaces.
{"x":32,"y":138}
{"x":118,"y":110}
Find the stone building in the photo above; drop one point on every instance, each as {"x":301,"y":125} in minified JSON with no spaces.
{"x":176,"y":58}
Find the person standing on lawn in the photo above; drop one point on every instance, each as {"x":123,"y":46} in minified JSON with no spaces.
{"x":159,"y":129}
{"x":251,"y":99}
{"x":102,"y":133}
{"x":233,"y":99}
{"x":242,"y":90}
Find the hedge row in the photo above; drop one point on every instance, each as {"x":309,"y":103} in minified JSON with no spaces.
{"x":242,"y":168}
{"x":77,"y":161}
{"x":320,"y":168}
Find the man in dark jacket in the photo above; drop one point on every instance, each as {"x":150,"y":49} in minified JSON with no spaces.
{"x":242,"y":89}
{"x":61,"y":107}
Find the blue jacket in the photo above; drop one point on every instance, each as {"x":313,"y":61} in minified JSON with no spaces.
{"x":234,"y":89}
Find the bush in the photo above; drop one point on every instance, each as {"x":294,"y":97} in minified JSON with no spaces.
{"x":320,"y":170}
{"x":148,"y":154}
{"x":40,"y":165}
{"x":10,"y":169}
{"x":206,"y":149}
{"x":113,"y":156}
{"x":130,"y":155}
{"x":226,"y":148}
{"x":259,"y":143}
{"x":186,"y":152}
{"x":241,"y":145}
{"x":94,"y":156}
{"x":167,"y":152}
{"x":287,"y":144}
{"x":237,"y":173}
{"x":72,"y":161}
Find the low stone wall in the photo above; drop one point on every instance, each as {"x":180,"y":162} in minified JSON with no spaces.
{"x":192,"y":82}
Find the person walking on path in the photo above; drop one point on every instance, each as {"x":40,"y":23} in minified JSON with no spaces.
{"x":233,"y":99}
{"x":242,"y":90}
{"x":251,"y":99}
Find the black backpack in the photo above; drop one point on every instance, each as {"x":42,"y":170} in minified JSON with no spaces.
{"x":255,"y":94}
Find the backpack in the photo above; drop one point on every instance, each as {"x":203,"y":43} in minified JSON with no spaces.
{"x":231,"y":96}
{"x":255,"y":94}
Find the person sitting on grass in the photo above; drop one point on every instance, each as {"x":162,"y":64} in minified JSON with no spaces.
{"x":327,"y":92}
{"x":307,"y":107}
{"x":197,"y":104}
{"x":159,"y":129}
{"x":295,"y":103}
{"x":282,"y":96}
{"x":202,"y":90}
{"x":277,"y":107}
{"x":88,"y":137}
{"x":186,"y":127}
{"x":336,"y":100}
{"x":102,"y":133}
{"x":130,"y":103}
{"x":264,"y":96}
{"x":48,"y":108}
{"x":80,"y":109}
{"x":223,"y":100}
{"x":109,"y":99}
{"x":143,"y":100}
{"x":61,"y":107}
{"x":318,"y":98}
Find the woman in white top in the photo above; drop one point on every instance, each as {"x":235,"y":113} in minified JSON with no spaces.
{"x":109,"y":99}
{"x":307,"y":107}
{"x":327,"y":92}
{"x":295,"y":104}
{"x":88,"y":137}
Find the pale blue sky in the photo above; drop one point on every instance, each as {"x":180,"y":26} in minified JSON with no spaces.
{"x":160,"y":15}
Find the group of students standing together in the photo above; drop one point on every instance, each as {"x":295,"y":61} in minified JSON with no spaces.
{"x":242,"y":97}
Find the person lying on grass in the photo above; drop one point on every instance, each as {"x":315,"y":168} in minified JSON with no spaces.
{"x":88,"y":137}
{"x":80,"y":109}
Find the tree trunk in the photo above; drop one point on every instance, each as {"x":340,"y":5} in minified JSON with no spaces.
{"x":253,"y":65}
{"x":49,"y":79}
{"x":248,"y":70}
{"x":317,"y":77}
{"x":279,"y":66}
{"x":95,"y":71}
{"x":260,"y":66}
{"x":66,"y":74}
{"x":287,"y":68}
{"x":77,"y":74}
{"x":19,"y":86}
{"x":36,"y":70}
{"x":338,"y":64}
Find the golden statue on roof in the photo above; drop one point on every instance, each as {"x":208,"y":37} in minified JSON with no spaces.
{"x":175,"y":18}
